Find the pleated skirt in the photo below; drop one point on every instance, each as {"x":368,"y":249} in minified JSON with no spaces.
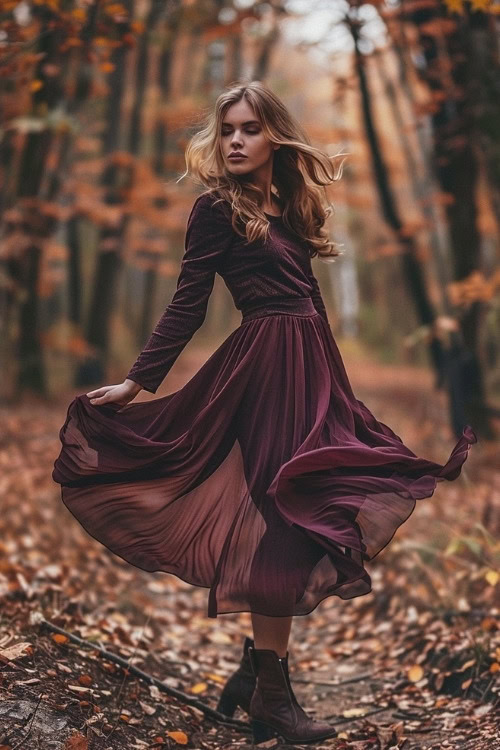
{"x":263,"y":479}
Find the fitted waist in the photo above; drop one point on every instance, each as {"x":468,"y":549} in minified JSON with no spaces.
{"x":301,"y":306}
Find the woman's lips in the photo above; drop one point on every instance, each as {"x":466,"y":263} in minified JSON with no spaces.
{"x":237,"y":158}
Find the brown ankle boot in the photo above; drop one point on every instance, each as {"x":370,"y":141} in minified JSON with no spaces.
{"x":274,"y":709}
{"x":239,"y":688}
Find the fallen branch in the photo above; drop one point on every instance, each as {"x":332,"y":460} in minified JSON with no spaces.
{"x":343,"y":720}
{"x":149,"y":679}
{"x":178,"y":694}
{"x":22,"y":740}
{"x":331,"y":683}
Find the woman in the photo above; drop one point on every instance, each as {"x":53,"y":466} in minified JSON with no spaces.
{"x":263,"y":478}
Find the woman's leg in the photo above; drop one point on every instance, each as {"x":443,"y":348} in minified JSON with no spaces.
{"x":271,"y":632}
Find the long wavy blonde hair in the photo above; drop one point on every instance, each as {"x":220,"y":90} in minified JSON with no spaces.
{"x":294,"y":162}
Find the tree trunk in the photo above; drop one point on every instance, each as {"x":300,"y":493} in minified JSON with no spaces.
{"x":109,"y":260}
{"x":412,"y":271}
{"x":456,"y":171}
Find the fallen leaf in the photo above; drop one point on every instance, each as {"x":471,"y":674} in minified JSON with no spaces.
{"x":482,"y":710}
{"x":59,"y":638}
{"x":492,"y":576}
{"x":415,"y":673}
{"x":63,"y":667}
{"x":218,"y":636}
{"x":215,"y":677}
{"x":467,"y":664}
{"x":200,"y":687}
{"x":350,"y":712}
{"x":489,"y":623}
{"x":15,"y":651}
{"x":76,"y":742}
{"x":150,"y":710}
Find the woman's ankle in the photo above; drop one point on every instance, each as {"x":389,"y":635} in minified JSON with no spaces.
{"x":281,"y":652}
{"x":271,"y":633}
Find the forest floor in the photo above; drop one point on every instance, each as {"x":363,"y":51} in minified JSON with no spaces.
{"x":415,"y":664}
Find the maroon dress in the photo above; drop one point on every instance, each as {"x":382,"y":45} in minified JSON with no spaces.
{"x":263,"y":478}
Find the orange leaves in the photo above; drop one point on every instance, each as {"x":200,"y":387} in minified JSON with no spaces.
{"x":68,"y":340}
{"x":85,"y":680}
{"x":76,"y":742}
{"x":107,"y":67}
{"x":200,"y":687}
{"x":138,"y":27}
{"x":215,"y":677}
{"x":458,"y":6}
{"x":59,"y":638}
{"x":79,"y":13}
{"x":483,"y":5}
{"x":115,"y":9}
{"x":492,"y":577}
{"x":489,"y":624}
{"x":455,"y":6}
{"x":102,"y":41}
{"x":72,"y":41}
{"x":474,"y":288}
{"x":415,"y":673}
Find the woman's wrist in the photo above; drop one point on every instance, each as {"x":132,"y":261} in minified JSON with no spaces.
{"x":135,"y":387}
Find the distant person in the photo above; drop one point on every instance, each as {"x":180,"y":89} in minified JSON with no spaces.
{"x":263,"y":478}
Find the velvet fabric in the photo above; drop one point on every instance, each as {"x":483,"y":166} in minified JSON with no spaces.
{"x":263,"y":479}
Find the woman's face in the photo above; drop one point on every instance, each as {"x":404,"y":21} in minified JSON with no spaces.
{"x":242,"y":132}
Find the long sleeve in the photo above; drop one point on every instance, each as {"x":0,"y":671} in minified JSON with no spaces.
{"x":316,"y":296}
{"x":208,"y":236}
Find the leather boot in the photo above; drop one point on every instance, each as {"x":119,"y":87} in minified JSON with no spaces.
{"x":239,"y":688}
{"x":274,"y":709}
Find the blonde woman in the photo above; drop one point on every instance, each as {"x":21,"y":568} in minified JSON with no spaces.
{"x":263,"y":478}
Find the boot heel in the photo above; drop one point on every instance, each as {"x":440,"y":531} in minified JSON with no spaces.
{"x":227,"y":704}
{"x":261,"y":732}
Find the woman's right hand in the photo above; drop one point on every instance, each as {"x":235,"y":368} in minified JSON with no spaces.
{"x":120,"y":394}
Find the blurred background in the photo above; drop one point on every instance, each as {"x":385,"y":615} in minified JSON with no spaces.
{"x":98,"y":100}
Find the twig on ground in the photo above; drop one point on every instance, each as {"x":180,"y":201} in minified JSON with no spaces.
{"x":22,"y":740}
{"x":326,"y":683}
{"x":343,"y":720}
{"x":178,"y":694}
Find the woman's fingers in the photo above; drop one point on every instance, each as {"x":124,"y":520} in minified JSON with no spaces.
{"x":98,"y":392}
{"x":108,"y":394}
{"x":99,"y":395}
{"x":101,"y":400}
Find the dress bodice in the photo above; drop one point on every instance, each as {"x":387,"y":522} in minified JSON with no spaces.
{"x":253,"y":272}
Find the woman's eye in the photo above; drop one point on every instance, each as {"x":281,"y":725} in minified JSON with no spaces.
{"x":250,"y":132}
